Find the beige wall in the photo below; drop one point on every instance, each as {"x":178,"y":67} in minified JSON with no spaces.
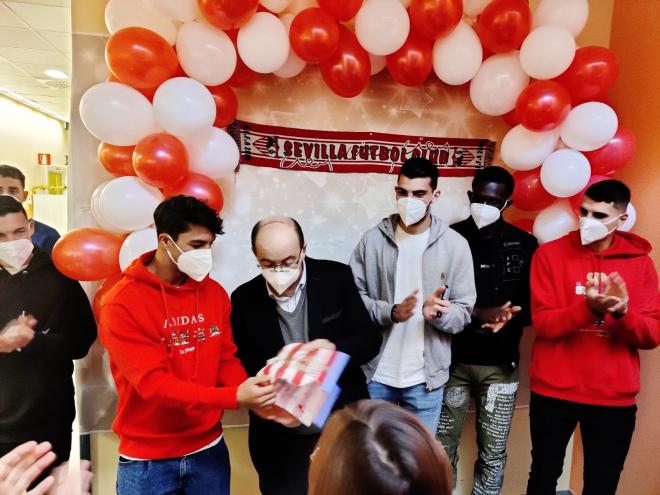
{"x":24,"y":132}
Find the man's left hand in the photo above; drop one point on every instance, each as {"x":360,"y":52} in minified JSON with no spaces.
{"x":435,"y":306}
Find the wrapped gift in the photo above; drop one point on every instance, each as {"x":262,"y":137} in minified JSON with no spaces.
{"x":305,"y":380}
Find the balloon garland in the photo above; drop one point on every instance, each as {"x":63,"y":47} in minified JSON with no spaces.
{"x":175,"y":63}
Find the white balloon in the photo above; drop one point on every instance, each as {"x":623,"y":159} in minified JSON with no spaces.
{"x":571,"y":14}
{"x":382,"y":26}
{"x":555,"y":221}
{"x":275,"y":6}
{"x":184,"y":106}
{"x":94,"y":206}
{"x":137,"y":244}
{"x":378,"y":63}
{"x":128,"y":204}
{"x":117,"y":114}
{"x":213,"y":153}
{"x":263,"y":43}
{"x":498,"y":83}
{"x":547,"y":51}
{"x":179,"y":10}
{"x":205,"y":53}
{"x":565,"y":173}
{"x":120,"y":14}
{"x":294,"y":65}
{"x":523,"y":149}
{"x":589,"y":126}
{"x":457,"y":57}
{"x":630,"y":221}
{"x":473,"y":8}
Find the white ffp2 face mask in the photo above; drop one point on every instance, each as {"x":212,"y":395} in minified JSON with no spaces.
{"x":14,"y":254}
{"x":591,"y":230}
{"x":411,"y":210}
{"x":484,"y":215}
{"x":280,"y":280}
{"x":196,"y":263}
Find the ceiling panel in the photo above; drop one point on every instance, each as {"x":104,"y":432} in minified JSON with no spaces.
{"x":43,"y":17}
{"x":35,"y":36}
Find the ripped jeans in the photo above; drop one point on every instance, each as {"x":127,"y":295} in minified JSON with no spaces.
{"x":494,"y":389}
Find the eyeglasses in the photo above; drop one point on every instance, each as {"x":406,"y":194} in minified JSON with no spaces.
{"x":282,"y":266}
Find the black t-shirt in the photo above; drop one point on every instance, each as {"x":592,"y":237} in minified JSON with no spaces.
{"x":502,"y":256}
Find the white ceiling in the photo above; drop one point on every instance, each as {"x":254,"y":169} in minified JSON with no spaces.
{"x":35,"y":35}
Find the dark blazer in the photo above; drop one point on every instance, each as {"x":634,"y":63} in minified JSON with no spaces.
{"x":336,"y":313}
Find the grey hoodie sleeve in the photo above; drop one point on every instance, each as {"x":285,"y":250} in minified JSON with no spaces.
{"x":379,"y":311}
{"x":462,"y":292}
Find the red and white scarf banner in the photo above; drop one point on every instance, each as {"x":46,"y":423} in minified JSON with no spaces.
{"x":355,"y":152}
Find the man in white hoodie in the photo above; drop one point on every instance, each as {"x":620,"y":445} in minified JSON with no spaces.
{"x":416,"y":278}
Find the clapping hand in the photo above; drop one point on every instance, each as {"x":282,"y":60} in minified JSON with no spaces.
{"x":435,"y":305}
{"x":20,"y":467}
{"x":495,"y":318}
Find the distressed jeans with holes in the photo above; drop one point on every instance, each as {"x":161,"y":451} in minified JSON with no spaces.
{"x":494,"y":389}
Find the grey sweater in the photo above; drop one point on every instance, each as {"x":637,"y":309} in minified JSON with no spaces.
{"x":446,"y":261}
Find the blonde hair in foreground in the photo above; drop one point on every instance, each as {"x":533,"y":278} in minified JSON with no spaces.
{"x":376,"y":448}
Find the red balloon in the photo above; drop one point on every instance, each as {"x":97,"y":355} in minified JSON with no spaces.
{"x":511,"y":118}
{"x":198,"y":186}
{"x":591,"y":75}
{"x":528,"y":193}
{"x":228,"y":14}
{"x":243,"y":76}
{"x":576,"y":200}
{"x":140,"y":58}
{"x":226,"y":105}
{"x":342,"y":10}
{"x":348,"y":70}
{"x":411,"y":64}
{"x":526,"y":224}
{"x":435,"y":19}
{"x":504,"y":25}
{"x":160,"y":160}
{"x":614,"y":155}
{"x":118,"y":160}
{"x":543,"y":105}
{"x":87,"y":254}
{"x":314,"y":35}
{"x":102,"y":291}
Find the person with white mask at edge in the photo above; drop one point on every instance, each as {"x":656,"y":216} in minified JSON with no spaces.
{"x":595,"y":304}
{"x":485,"y":355}
{"x":166,"y":327}
{"x":296,"y":298}
{"x":416,"y":278}
{"x":46,"y":323}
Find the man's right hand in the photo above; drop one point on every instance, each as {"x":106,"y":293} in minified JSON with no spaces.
{"x":256,"y":392}
{"x":17,"y":333}
{"x":598,"y":301}
{"x":406,"y":308}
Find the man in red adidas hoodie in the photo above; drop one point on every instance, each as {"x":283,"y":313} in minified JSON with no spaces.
{"x":595,"y":302}
{"x":166,"y":328}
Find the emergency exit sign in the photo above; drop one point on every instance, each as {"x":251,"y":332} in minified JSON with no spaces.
{"x":43,"y":159}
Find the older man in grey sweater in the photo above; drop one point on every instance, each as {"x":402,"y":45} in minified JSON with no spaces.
{"x":415,"y":276}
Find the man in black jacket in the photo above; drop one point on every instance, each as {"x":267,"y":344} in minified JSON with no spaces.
{"x":485,"y":355}
{"x":45,"y":323}
{"x":296,"y":299}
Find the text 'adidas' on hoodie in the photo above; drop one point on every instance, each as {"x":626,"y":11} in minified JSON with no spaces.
{"x":573,"y":357}
{"x":172,"y":357}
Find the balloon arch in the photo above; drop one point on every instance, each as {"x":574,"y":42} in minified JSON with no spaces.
{"x":174,"y":64}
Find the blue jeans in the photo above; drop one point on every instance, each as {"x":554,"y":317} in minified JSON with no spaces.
{"x":426,"y":404}
{"x":206,"y":472}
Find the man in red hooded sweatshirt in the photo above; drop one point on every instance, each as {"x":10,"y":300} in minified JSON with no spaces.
{"x":595,"y":303}
{"x":166,"y":328}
